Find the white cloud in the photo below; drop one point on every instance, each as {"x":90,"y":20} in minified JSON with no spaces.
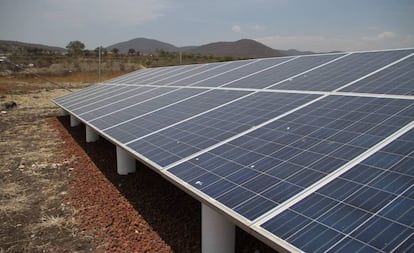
{"x":318,"y":43}
{"x":258,"y":28}
{"x":236,"y":28}
{"x":380,"y":37}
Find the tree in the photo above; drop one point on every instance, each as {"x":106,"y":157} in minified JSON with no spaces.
{"x":115,"y":51}
{"x":131,"y":52}
{"x":96,"y":50}
{"x":75,"y":47}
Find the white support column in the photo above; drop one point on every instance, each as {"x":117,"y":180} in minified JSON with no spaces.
{"x":74,"y":121}
{"x":91,"y":135}
{"x":125,"y":163}
{"x":217,"y":233}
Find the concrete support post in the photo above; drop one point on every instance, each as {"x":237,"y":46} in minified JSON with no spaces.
{"x":125,"y":163}
{"x":91,"y":135}
{"x":217,"y":233}
{"x":74,"y":121}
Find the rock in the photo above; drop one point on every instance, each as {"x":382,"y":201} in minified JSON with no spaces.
{"x":21,"y":166}
{"x":9,"y":105}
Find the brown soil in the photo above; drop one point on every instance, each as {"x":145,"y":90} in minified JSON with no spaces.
{"x":60,"y":194}
{"x":34,"y":172}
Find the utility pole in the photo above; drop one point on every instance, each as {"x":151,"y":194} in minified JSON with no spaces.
{"x":99,"y":63}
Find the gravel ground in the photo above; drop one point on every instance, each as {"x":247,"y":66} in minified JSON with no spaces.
{"x":141,"y":212}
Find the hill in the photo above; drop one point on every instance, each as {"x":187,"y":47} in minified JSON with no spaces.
{"x":244,"y":48}
{"x":144,"y":45}
{"x":9,"y":45}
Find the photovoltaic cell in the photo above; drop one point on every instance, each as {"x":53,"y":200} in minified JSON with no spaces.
{"x":196,"y":68}
{"x":134,"y":74}
{"x":189,"y":137}
{"x":138,"y":127}
{"x":368,"y":208}
{"x":97,"y":97}
{"x":292,"y":153}
{"x":339,"y":73}
{"x":142,"y":105}
{"x":397,"y":79}
{"x":98,"y":90}
{"x":67,"y":98}
{"x":99,"y":110}
{"x":108,"y":101}
{"x":241,"y":72}
{"x":283,"y":71}
{"x":212,"y":73}
{"x":137,"y":77}
{"x":160,"y":75}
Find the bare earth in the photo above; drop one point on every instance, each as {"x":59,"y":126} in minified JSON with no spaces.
{"x":60,"y":194}
{"x":34,"y":173}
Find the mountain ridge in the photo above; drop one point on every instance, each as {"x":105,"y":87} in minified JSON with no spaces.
{"x":243,"y":48}
{"x":31,"y":45}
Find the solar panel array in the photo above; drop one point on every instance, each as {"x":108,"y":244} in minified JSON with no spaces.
{"x":311,"y":153}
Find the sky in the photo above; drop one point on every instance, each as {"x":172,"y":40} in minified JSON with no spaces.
{"x":315,"y":25}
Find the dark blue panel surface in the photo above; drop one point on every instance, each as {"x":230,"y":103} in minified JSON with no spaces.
{"x":108,"y":101}
{"x":189,"y":137}
{"x":66,"y":98}
{"x":90,"y":92}
{"x":292,"y":152}
{"x":283,"y":71}
{"x":134,"y":74}
{"x":140,"y":105}
{"x":243,"y":71}
{"x":159,"y":73}
{"x":368,"y":208}
{"x":397,"y":79}
{"x":98,"y":97}
{"x":220,"y":69}
{"x":188,"y":72}
{"x":169,"y":115}
{"x":343,"y":71}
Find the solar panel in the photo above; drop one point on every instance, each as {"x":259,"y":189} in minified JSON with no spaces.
{"x":215,"y":126}
{"x":248,"y":69}
{"x":368,"y":208}
{"x":284,"y":71}
{"x":397,"y":79}
{"x":220,"y":69}
{"x":343,"y":71}
{"x":135,"y":127}
{"x":292,"y":152}
{"x":311,"y":153}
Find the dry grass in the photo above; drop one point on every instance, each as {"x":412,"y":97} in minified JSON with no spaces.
{"x":13,"y":84}
{"x":48,"y":221}
{"x":13,"y":198}
{"x":33,"y":174}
